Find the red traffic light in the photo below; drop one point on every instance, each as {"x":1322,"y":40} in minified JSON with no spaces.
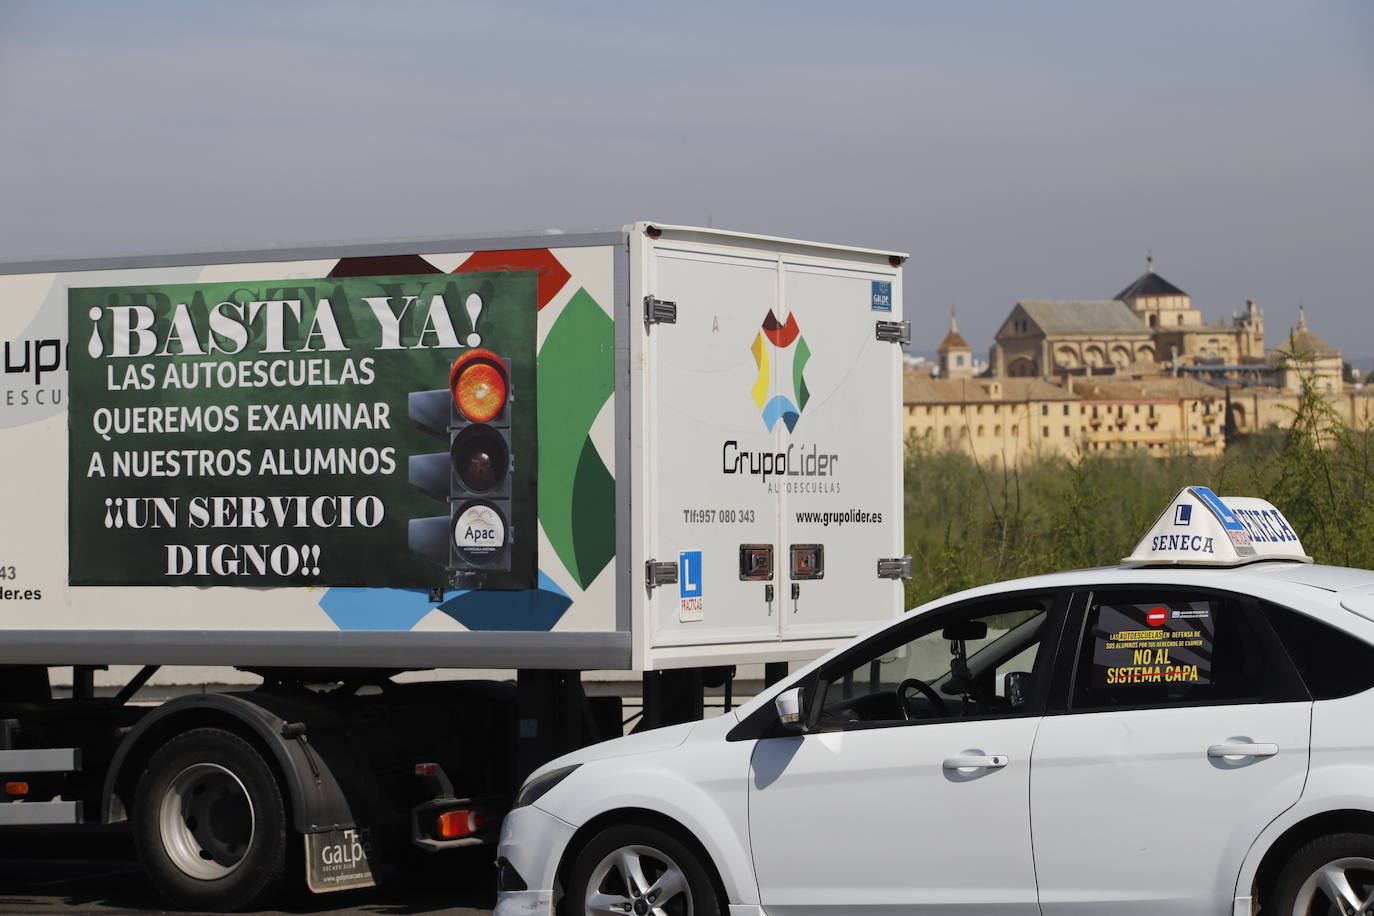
{"x":479,"y":385}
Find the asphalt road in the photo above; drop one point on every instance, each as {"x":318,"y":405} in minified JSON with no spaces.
{"x":93,"y":870}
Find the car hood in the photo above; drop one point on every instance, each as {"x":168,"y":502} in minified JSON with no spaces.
{"x":655,"y":739}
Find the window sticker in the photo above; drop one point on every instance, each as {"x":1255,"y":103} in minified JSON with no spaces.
{"x":1140,"y":644}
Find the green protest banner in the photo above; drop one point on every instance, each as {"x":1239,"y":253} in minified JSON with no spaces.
{"x":258,"y":434}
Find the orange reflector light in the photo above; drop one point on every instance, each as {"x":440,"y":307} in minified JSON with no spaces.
{"x":16,"y":788}
{"x":458,"y":823}
{"x":478,"y":384}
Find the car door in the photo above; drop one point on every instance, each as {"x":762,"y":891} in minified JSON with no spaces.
{"x":1178,"y":732}
{"x":917,"y":806}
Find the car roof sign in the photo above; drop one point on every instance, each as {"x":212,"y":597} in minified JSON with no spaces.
{"x":1202,"y":529}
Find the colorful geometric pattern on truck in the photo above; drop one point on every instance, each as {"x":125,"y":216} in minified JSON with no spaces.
{"x":371,"y":332}
{"x":780,"y":392}
{"x":575,"y":378}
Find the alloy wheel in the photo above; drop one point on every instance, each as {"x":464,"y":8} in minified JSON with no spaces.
{"x":1342,"y":887}
{"x":638,"y":880}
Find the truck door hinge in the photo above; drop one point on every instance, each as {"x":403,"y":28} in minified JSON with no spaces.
{"x":894,"y":568}
{"x":659,"y":572}
{"x":894,"y":331}
{"x":659,"y":311}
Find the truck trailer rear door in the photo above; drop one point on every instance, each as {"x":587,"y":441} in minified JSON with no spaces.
{"x":713,"y":494}
{"x":842,"y":495}
{"x":775,"y":463}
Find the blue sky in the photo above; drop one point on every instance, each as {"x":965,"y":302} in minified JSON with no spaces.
{"x":1016,"y":150}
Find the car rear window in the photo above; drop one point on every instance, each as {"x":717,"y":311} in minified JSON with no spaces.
{"x":1332,"y":663}
{"x":1144,"y":648}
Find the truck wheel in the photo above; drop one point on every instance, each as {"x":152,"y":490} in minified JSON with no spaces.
{"x":1331,"y":874}
{"x":639,"y":870}
{"x":210,"y":823}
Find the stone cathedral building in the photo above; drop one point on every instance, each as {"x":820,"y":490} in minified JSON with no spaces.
{"x":1140,"y":372}
{"x":1150,"y":321}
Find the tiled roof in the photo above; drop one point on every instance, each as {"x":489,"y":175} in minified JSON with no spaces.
{"x":1304,"y":341}
{"x":1156,"y":389}
{"x":921,"y":389}
{"x":1083,"y":316}
{"x":954,"y":341}
{"x":1150,"y":284}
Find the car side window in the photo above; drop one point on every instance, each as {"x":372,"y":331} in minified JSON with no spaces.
{"x":1142,"y":649}
{"x":1332,"y":663}
{"x":979,"y":661}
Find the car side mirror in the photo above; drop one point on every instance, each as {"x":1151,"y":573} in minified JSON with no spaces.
{"x":791,"y":712}
{"x":1016,"y":686}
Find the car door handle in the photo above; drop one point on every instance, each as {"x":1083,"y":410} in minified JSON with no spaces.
{"x":976,"y":762}
{"x":1242,"y":749}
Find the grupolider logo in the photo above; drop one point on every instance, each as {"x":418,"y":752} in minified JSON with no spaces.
{"x":778,"y":344}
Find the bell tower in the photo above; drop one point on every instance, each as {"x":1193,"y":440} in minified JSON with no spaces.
{"x":956,"y":356}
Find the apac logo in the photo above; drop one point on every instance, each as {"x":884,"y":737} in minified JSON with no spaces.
{"x":784,"y":345}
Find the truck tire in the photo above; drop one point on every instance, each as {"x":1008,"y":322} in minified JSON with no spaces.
{"x":639,"y":869}
{"x":210,"y":824}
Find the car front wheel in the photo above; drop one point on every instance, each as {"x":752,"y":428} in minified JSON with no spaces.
{"x":1330,"y":876}
{"x":642,"y":871}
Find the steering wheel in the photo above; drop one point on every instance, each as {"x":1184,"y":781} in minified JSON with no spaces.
{"x":915,"y":683}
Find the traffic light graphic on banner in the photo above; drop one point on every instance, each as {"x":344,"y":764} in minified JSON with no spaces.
{"x":474,"y":415}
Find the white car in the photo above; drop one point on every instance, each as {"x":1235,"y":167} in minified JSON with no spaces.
{"x":1189,"y":733}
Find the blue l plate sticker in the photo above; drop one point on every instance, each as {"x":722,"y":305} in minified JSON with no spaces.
{"x":689,"y":574}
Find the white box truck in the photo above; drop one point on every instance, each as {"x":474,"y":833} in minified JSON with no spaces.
{"x":657,"y":449}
